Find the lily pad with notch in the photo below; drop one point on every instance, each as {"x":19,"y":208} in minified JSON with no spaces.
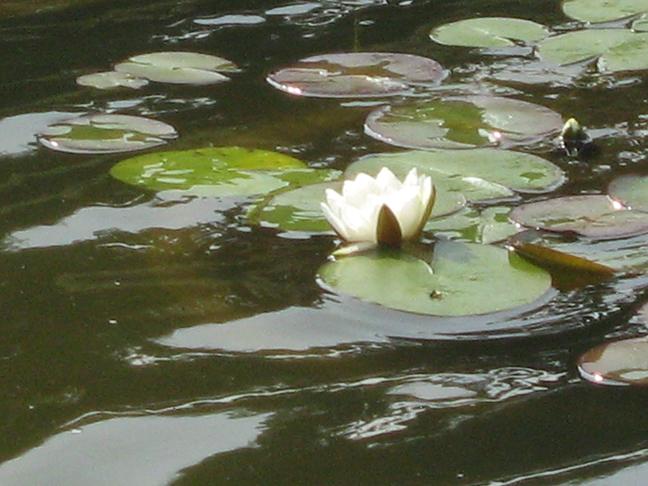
{"x":357,"y":75}
{"x":489,"y":32}
{"x":457,"y":279}
{"x":615,"y":50}
{"x":178,"y":68}
{"x":220,"y":171}
{"x":594,"y":11}
{"x":617,"y":363}
{"x":595,"y":216}
{"x":110,"y":80}
{"x":463,"y":122}
{"x":105,"y":134}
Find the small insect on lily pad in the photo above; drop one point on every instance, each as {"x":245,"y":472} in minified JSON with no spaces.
{"x":489,"y":32}
{"x":105,"y":134}
{"x":603,"y":10}
{"x":463,"y":122}
{"x":221,"y":171}
{"x":616,"y":49}
{"x":178,"y":68}
{"x":110,"y":80}
{"x":458,"y":279}
{"x":619,"y":363}
{"x":597,"y":217}
{"x":357,"y":75}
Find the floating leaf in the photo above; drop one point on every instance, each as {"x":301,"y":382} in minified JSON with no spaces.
{"x":474,"y":226}
{"x":222,"y":171}
{"x":462,"y":122}
{"x":616,"y":49}
{"x":547,"y":257}
{"x":460,"y":279}
{"x":619,"y":363}
{"x":111,"y":79}
{"x":631,"y":191}
{"x":603,"y":10}
{"x":489,"y":32}
{"x":594,"y":216}
{"x":484,"y":173}
{"x":641,"y":24}
{"x":18,"y":133}
{"x":178,"y":68}
{"x":358,"y":74}
{"x":104,"y":134}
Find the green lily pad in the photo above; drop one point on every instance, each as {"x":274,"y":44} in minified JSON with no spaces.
{"x":489,"y":32}
{"x":641,"y":24}
{"x":221,"y":171}
{"x":104,"y":134}
{"x":616,"y":49}
{"x":178,"y":68}
{"x":501,"y":170}
{"x":619,"y":363}
{"x":631,"y":191}
{"x":110,"y":80}
{"x":460,"y":279}
{"x":603,"y":10}
{"x":596,"y":217}
{"x":463,"y":122}
{"x":357,"y":74}
{"x":471,"y":225}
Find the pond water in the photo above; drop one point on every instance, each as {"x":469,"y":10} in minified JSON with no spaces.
{"x":162,"y":338}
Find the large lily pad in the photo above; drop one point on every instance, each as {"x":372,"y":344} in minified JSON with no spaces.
{"x":178,"y":67}
{"x":497,"y":168}
{"x":111,"y":79}
{"x":462,"y":122}
{"x":596,"y":217}
{"x":619,"y":363}
{"x":487,"y":32}
{"x":459,"y":279}
{"x":616,"y":49}
{"x":603,"y":10}
{"x":358,"y":74}
{"x":222,"y":171}
{"x":631,"y":191}
{"x":104,"y":134}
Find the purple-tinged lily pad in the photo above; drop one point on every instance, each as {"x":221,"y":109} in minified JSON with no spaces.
{"x":597,"y":217}
{"x":463,"y":122}
{"x":356,"y":75}
{"x":619,"y":363}
{"x":105,"y":134}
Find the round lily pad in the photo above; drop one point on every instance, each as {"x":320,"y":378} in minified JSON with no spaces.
{"x":178,"y":67}
{"x":603,"y":10}
{"x":463,"y":122}
{"x":596,"y":217}
{"x":631,"y":191}
{"x":358,"y":74}
{"x":111,"y":79}
{"x":616,"y":49}
{"x":487,"y":32}
{"x":474,"y":226}
{"x":459,"y":279}
{"x":620,"y":363}
{"x":500,"y":170}
{"x":222,"y":171}
{"x":104,"y":134}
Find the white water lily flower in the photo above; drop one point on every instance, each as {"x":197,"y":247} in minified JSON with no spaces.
{"x":380,"y":210}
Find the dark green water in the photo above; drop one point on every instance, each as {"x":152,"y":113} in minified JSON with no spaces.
{"x":150,"y":342}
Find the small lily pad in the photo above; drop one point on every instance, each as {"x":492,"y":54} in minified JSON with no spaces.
{"x":104,"y":134}
{"x":596,"y":217}
{"x":178,"y":68}
{"x":616,"y":49}
{"x":488,"y":32}
{"x":619,"y":363}
{"x":603,"y":10}
{"x":500,"y":170}
{"x":356,"y":75}
{"x":222,"y":171}
{"x":471,"y":225}
{"x":110,"y":80}
{"x":463,"y":122}
{"x":459,"y":279}
{"x":631,"y":191}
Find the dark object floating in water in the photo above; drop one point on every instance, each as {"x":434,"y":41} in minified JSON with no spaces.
{"x":106,"y":134}
{"x":619,"y":363}
{"x":575,"y":140}
{"x":357,"y":75}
